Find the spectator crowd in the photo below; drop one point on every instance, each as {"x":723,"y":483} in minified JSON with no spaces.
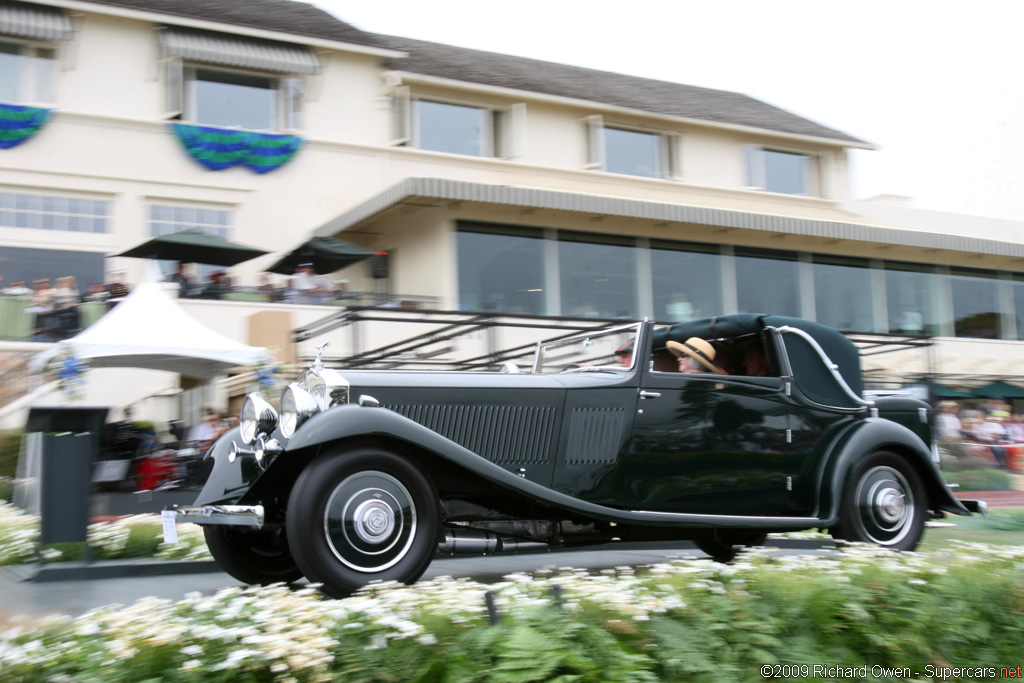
{"x":990,"y":430}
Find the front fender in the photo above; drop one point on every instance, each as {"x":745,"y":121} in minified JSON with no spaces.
{"x":874,"y":434}
{"x":228,"y":481}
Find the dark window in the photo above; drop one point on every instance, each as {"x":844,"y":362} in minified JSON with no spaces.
{"x":30,"y":264}
{"x":976,"y":304}
{"x":686,"y":280}
{"x":501,"y":269}
{"x":842,"y":293}
{"x":768,"y":282}
{"x":912,"y":294}
{"x":597,"y":276}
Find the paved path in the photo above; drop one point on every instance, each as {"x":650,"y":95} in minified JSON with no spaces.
{"x":22,"y":598}
{"x":995,"y":499}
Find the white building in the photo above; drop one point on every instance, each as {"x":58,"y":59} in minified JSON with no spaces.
{"x":493,"y":182}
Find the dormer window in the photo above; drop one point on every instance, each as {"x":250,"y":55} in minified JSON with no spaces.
{"x":781,"y":171}
{"x":630,"y":151}
{"x":458,"y":128}
{"x":29,"y":35}
{"x":26,"y":73}
{"x":232,"y":81}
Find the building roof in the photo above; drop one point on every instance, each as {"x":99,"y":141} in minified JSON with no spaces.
{"x":533,"y":198}
{"x":286,"y":16}
{"x":644,"y":94}
{"x":499,"y":70}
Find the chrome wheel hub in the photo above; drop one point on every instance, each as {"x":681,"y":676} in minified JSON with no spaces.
{"x":886,"y":504}
{"x":373,"y":521}
{"x":370,"y":521}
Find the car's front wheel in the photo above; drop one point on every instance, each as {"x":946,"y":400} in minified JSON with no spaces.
{"x":253,"y":557}
{"x":360,"y":516}
{"x":884,"y":503}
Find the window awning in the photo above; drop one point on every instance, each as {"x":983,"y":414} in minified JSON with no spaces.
{"x":238,"y":51}
{"x":34,"y":21}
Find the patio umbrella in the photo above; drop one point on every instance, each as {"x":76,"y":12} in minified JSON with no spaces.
{"x":194,"y":246}
{"x":998,"y":390}
{"x":326,"y":254}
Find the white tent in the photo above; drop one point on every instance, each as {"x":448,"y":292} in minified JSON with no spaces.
{"x":148,"y":329}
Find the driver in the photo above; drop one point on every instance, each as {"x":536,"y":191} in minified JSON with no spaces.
{"x":695,"y":356}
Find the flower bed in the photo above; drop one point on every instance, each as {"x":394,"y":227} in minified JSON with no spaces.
{"x":126,"y":538}
{"x":690,"y":620}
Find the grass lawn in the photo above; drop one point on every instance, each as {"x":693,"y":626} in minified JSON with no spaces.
{"x":1000,"y":527}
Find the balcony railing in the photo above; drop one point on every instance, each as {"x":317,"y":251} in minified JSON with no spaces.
{"x":21,"y":320}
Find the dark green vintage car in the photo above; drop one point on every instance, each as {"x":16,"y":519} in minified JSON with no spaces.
{"x":366,"y":475}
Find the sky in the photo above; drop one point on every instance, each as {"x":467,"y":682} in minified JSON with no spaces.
{"x":935,"y":85}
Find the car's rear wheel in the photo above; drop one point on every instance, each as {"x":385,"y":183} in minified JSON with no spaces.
{"x":253,"y":557}
{"x":361,"y":516}
{"x":725,"y":545}
{"x":884,"y":503}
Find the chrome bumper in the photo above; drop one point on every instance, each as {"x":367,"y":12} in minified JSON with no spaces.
{"x":231,"y":515}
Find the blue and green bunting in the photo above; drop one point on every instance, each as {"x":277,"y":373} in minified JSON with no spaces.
{"x":220,"y":148}
{"x":18,"y":123}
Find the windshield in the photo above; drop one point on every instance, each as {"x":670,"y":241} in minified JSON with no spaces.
{"x":608,"y":349}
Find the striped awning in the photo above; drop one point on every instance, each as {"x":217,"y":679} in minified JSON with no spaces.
{"x":238,"y":51}
{"x":34,"y":21}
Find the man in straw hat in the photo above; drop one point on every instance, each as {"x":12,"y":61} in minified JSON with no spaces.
{"x":695,"y":356}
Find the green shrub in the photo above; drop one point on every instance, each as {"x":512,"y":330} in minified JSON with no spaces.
{"x":10,"y":447}
{"x":989,"y":479}
{"x":6,"y":489}
{"x":860,"y":610}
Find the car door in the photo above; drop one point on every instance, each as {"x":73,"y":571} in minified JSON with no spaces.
{"x":715,"y":444}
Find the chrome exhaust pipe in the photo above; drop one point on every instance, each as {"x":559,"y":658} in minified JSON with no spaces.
{"x":480,"y":542}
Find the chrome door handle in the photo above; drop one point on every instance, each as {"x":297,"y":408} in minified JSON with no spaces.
{"x":649,"y":394}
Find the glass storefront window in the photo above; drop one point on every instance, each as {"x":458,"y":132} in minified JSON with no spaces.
{"x":501,"y":270}
{"x":768,"y":281}
{"x":686,"y":279}
{"x":842,"y":293}
{"x":1018,"y":304}
{"x":976,"y":304}
{"x":598,"y":276}
{"x":27,"y":265}
{"x":912,"y":298}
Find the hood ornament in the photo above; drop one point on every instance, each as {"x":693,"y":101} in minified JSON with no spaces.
{"x":318,"y":364}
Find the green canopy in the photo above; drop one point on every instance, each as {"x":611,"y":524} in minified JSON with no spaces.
{"x":943,"y":391}
{"x":194,"y":246}
{"x":998,"y":390}
{"x":325,"y":254}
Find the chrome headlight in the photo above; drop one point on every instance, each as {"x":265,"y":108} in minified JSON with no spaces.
{"x":257,"y":418}
{"x":297,"y":406}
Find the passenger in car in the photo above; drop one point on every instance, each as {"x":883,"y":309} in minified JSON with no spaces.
{"x":756,"y":362}
{"x":695,"y":356}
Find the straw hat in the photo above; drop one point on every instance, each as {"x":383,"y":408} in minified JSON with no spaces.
{"x":697,"y":348}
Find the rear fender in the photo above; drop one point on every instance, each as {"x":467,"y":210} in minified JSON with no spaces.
{"x":874,"y":434}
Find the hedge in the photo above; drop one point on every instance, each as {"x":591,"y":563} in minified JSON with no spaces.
{"x":858,"y":614}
